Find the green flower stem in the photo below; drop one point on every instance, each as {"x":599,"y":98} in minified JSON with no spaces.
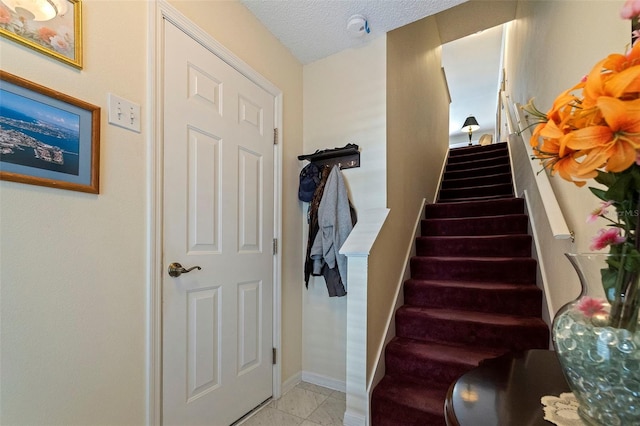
{"x":625,"y":306}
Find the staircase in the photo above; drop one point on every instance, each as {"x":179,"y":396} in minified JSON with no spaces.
{"x":472,"y":294}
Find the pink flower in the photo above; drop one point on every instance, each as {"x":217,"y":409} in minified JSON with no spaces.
{"x":46,"y":34}
{"x":59,"y":44}
{"x":631,"y":9}
{"x":605,"y":238}
{"x":5,"y":15}
{"x":590,"y":306}
{"x":602,"y":210}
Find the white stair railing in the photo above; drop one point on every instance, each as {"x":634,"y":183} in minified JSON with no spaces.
{"x":556,"y":219}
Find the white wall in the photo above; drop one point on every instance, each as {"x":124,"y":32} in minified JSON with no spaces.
{"x":344,"y":102}
{"x":472,"y":65}
{"x":545,"y":55}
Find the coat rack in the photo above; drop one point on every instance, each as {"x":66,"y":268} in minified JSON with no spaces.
{"x":346,"y":157}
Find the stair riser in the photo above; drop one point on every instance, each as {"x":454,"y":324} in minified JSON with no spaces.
{"x":515,"y":338}
{"x":476,"y":172}
{"x":465,"y":158}
{"x":476,"y":164}
{"x":386,"y":413}
{"x":511,"y":246}
{"x":506,"y":225}
{"x":480,"y":181}
{"x":526,"y":301}
{"x":477,"y":149}
{"x":397,"y":362}
{"x":475,"y":209}
{"x":515,"y":271}
{"x":505,"y":190}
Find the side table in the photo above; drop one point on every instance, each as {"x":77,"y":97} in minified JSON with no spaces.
{"x":506,"y":391}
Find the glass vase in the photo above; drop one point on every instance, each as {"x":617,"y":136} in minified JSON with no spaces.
{"x":600,"y":358}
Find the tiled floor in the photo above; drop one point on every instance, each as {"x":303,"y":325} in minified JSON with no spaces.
{"x":304,"y":405}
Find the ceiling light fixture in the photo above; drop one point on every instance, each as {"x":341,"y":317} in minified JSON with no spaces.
{"x":358,"y":26}
{"x":42,"y":10}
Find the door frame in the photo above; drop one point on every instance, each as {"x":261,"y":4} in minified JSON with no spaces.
{"x":158,"y":10}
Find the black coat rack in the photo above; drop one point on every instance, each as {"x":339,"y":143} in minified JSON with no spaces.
{"x":346,"y":157}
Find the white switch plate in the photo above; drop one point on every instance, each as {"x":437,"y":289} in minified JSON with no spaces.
{"x":124,"y":113}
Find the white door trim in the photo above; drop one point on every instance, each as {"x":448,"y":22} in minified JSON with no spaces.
{"x":159,"y":10}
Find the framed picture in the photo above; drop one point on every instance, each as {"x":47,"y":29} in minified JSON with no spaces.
{"x":47,"y":138}
{"x":59,"y":37}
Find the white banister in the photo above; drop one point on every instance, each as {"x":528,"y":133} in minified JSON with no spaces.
{"x":558,"y":224}
{"x":357,"y":248}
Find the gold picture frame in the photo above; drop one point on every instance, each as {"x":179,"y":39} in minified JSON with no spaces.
{"x":59,"y":38}
{"x":47,"y":138}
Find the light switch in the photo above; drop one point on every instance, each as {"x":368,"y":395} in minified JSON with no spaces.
{"x":124,"y":113}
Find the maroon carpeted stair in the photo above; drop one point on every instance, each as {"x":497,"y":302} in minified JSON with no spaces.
{"x":472,"y":293}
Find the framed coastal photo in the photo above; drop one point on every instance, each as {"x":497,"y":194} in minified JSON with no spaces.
{"x":59,"y":37}
{"x":47,"y":138}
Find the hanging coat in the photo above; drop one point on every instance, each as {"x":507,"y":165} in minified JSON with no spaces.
{"x":334,"y":221}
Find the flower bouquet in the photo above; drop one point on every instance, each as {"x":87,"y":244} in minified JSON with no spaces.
{"x":592,"y":131}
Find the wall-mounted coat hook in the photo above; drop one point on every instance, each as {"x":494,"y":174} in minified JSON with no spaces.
{"x":346,"y":157}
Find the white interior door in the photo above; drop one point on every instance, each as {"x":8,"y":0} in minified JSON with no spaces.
{"x":218,"y":215}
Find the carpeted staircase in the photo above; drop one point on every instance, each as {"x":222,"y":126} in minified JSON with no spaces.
{"x":472,"y":293}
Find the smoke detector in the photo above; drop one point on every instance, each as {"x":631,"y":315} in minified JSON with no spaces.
{"x":358,"y":26}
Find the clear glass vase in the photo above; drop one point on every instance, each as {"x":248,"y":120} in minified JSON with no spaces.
{"x":600,"y":359}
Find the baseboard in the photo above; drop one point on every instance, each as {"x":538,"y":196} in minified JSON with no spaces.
{"x":353,"y":420}
{"x":291,"y":382}
{"x":324,"y":381}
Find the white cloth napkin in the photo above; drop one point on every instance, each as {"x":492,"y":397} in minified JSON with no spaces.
{"x":562,"y":410}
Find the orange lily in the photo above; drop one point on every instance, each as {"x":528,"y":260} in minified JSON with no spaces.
{"x":614,"y":143}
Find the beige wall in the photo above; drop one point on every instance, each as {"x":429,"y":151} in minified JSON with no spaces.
{"x":344,"y":102}
{"x":545,"y":55}
{"x":73,"y":295}
{"x":417,"y":142}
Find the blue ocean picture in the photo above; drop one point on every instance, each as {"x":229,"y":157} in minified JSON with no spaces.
{"x":35,"y":134}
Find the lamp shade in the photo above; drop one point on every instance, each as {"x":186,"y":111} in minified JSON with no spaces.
{"x":470,"y":124}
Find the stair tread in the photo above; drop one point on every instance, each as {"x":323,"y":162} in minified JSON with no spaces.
{"x":442,"y":352}
{"x":489,"y":176}
{"x":475,"y":237}
{"x":481,"y":285}
{"x":474,"y":316}
{"x":476,"y":218}
{"x":486,"y":197}
{"x":495,"y":259}
{"x":476,"y":204}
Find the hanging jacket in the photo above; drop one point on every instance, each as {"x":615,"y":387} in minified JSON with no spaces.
{"x":312,"y":220}
{"x":335,"y":224}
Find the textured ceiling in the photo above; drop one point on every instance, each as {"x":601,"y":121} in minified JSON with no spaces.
{"x":314,"y":29}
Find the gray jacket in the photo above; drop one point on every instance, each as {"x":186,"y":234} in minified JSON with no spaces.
{"x":334,"y":220}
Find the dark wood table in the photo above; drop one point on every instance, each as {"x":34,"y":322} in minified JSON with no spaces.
{"x":506,"y":391}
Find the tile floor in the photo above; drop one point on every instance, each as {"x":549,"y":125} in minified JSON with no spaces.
{"x":304,"y":405}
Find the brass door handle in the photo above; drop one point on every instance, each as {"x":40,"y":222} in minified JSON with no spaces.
{"x":176,"y":269}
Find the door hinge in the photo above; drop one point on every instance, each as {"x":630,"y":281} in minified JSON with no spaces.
{"x":275,"y":136}
{"x":275,"y":246}
{"x":274,"y":356}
